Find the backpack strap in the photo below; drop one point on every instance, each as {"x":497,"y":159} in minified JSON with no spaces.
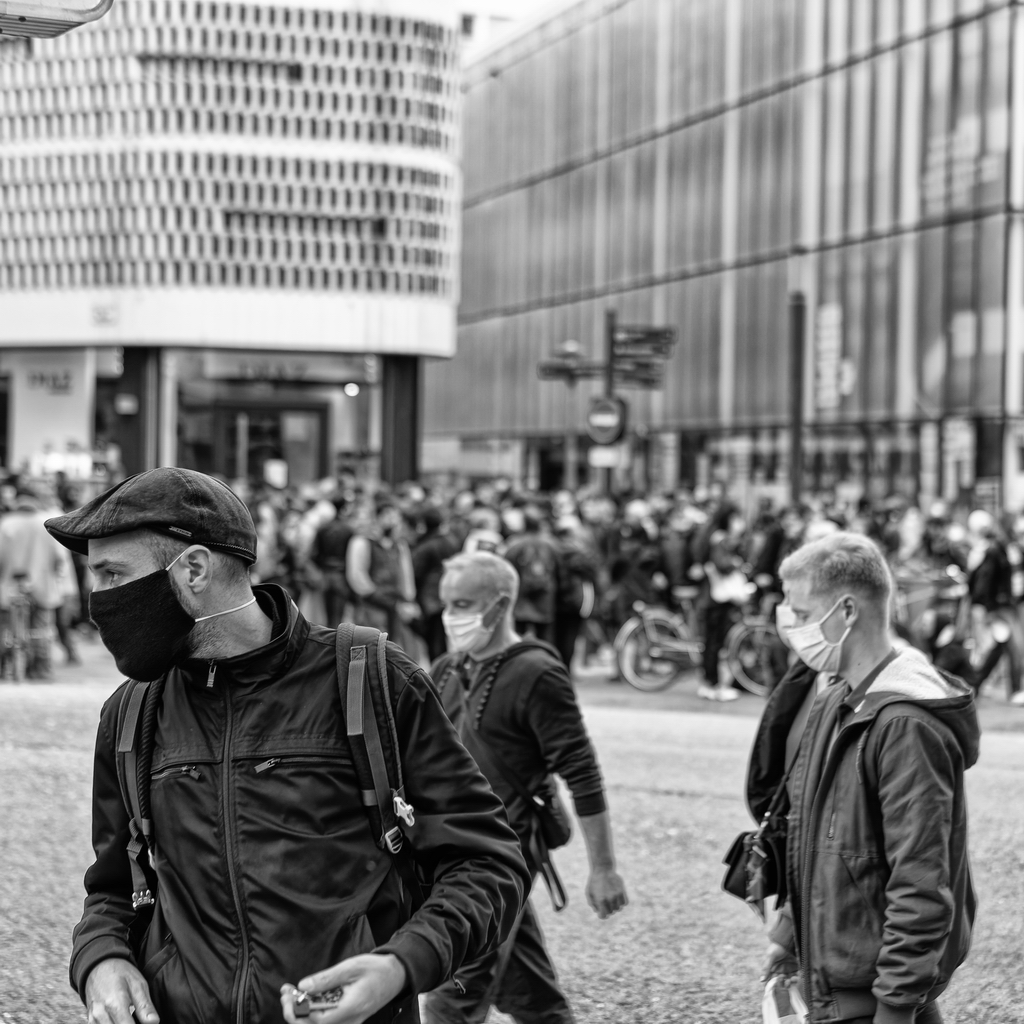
{"x":362,"y":670}
{"x":127,"y":758}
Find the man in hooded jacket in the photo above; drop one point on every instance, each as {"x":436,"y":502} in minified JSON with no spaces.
{"x":880,"y":901}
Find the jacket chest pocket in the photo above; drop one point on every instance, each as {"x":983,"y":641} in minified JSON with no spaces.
{"x":306,"y":794}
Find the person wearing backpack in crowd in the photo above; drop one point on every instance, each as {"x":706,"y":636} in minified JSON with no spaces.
{"x":247,"y":861}
{"x":535,"y":557}
{"x":515,"y":708}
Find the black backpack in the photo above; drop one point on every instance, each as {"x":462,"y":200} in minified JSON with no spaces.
{"x":373,"y":738}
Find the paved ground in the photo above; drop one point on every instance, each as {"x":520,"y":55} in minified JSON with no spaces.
{"x":681,"y":952}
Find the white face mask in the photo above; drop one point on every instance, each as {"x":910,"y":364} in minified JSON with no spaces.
{"x":467,"y":633}
{"x":785,"y":620}
{"x":811,"y":646}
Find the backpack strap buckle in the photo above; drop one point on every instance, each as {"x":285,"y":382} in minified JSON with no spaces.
{"x":393,"y":840}
{"x":404,"y":810}
{"x":142,"y":898}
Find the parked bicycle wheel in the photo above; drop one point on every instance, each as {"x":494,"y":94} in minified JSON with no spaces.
{"x":637,"y":665}
{"x":756,"y":657}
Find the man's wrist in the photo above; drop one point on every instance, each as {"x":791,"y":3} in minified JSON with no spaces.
{"x":397,"y":970}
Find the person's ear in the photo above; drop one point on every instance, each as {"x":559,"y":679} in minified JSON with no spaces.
{"x":851,"y":609}
{"x":198,"y":564}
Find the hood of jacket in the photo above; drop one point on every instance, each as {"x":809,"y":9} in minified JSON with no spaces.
{"x":911,"y":678}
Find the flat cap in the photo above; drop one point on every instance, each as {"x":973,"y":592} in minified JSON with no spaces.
{"x":180,"y":503}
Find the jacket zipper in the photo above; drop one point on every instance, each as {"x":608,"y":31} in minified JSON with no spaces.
{"x":273,"y":762}
{"x":805,"y":886}
{"x":229,"y":842}
{"x":180,"y":769}
{"x":805,"y":890}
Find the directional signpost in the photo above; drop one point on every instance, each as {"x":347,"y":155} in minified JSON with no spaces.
{"x":635,"y":357}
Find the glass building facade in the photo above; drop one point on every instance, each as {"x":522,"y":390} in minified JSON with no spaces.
{"x":695,"y":164}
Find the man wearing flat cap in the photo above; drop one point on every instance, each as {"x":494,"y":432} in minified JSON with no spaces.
{"x":262,"y":858}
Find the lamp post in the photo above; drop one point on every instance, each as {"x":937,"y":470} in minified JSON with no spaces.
{"x":797,"y":333}
{"x":569,"y":351}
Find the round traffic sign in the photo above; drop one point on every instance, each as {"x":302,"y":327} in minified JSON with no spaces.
{"x":606,"y":419}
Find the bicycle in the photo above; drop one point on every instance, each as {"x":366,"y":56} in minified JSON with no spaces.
{"x":655,"y":646}
{"x":756,"y":656}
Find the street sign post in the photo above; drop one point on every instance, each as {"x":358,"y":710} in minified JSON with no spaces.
{"x":634,"y":357}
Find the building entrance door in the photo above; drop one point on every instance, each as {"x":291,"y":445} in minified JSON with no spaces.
{"x":247,"y":437}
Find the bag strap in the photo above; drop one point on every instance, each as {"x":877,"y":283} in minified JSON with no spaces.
{"x":777,"y":798}
{"x":361,"y":655}
{"x":127,"y":758}
{"x":482,"y":751}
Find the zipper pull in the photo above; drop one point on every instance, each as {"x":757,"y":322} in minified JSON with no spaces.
{"x":213,"y":672}
{"x":193,"y":771}
{"x":832,"y":826}
{"x":265,"y":765}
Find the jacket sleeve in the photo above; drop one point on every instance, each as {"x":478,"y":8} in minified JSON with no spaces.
{"x":102,"y":933}
{"x":917,"y":782}
{"x":553,"y":717}
{"x":463,"y":841}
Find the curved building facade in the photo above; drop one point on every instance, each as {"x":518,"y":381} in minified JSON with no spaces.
{"x":247,"y":199}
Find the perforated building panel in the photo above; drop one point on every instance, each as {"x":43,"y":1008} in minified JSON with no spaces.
{"x":195,"y":145}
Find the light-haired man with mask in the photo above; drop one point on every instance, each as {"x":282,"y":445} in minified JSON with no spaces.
{"x":516,"y":710}
{"x":872,"y":745}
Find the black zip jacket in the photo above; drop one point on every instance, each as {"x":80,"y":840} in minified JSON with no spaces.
{"x":265,"y":864}
{"x":881,"y":903}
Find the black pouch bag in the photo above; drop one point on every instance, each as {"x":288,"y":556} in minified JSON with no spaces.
{"x":756,"y":861}
{"x":552,"y":826}
{"x":552,"y":815}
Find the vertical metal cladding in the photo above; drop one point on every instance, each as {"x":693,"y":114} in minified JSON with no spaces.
{"x":877,"y":137}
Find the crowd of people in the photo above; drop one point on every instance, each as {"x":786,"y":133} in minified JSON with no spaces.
{"x":350,"y":551}
{"x":292,"y":819}
{"x":375,"y":556}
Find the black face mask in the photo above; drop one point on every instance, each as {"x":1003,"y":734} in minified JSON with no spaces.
{"x":142,"y":624}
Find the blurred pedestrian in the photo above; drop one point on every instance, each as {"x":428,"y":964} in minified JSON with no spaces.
{"x":534,"y":555}
{"x":432,"y":549}
{"x":33,"y":569}
{"x":329,"y":555}
{"x":378,"y":566}
{"x":993,"y":608}
{"x":727,"y":589}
